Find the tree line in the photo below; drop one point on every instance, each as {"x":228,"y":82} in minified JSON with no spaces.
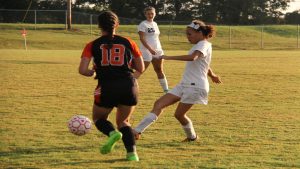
{"x":211,"y":11}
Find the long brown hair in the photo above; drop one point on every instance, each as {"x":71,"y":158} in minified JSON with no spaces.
{"x":108,"y":21}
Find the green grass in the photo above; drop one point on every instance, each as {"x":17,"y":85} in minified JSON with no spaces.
{"x":252,"y":120}
{"x":54,"y":36}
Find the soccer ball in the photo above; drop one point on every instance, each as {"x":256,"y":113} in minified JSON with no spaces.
{"x":79,"y":125}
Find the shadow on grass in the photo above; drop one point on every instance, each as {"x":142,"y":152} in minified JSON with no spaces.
{"x":171,"y":144}
{"x":31,"y":151}
{"x":113,"y":160}
{"x":30,"y":62}
{"x":89,"y":162}
{"x":282,"y":164}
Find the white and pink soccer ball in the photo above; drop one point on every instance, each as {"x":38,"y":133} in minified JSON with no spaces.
{"x":79,"y":125}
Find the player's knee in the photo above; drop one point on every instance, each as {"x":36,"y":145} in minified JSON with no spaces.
{"x":95,"y":119}
{"x":158,"y":70}
{"x":158,"y":105}
{"x":178,"y":116}
{"x":121,"y":123}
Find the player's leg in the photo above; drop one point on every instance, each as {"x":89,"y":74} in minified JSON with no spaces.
{"x":103,"y":105}
{"x":100,"y":113}
{"x":158,"y":68}
{"x":147,"y":57}
{"x":100,"y":116}
{"x":185,"y":121}
{"x":152,"y":116}
{"x":122,"y":119}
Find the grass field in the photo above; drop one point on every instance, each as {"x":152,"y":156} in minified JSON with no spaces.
{"x":252,"y":120}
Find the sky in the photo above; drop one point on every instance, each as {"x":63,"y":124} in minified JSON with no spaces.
{"x":293,"y":6}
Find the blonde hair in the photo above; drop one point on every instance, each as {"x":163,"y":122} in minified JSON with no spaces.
{"x":149,"y":8}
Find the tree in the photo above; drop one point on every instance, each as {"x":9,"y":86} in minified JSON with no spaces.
{"x":99,"y":5}
{"x":53,"y":5}
{"x":210,"y":11}
{"x":127,"y":8}
{"x":17,"y":16}
{"x":181,"y":9}
{"x":17,"y":4}
{"x":213,"y":11}
{"x":293,"y":17}
{"x":245,"y":12}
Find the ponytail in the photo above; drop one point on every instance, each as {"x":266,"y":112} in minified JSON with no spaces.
{"x":207,"y":30}
{"x":108,"y":21}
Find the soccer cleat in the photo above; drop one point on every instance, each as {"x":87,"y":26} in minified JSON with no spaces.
{"x":190,"y":140}
{"x":132,"y":156}
{"x":166,"y":91}
{"x":111,"y":142}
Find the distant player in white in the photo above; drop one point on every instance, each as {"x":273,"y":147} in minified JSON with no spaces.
{"x":194,"y":86}
{"x":150,"y":46}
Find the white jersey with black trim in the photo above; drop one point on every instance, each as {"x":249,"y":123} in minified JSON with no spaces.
{"x":195,"y":72}
{"x":151,"y":34}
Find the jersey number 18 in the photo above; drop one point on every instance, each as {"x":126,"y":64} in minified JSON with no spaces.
{"x":113,"y":56}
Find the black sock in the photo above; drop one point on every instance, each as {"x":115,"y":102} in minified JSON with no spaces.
{"x":104,"y":126}
{"x":128,"y":139}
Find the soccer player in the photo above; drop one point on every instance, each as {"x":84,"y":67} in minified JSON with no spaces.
{"x":150,"y":46}
{"x":194,"y":86}
{"x":114,"y":58}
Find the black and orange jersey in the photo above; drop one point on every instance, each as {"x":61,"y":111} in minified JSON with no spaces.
{"x":112,"y":61}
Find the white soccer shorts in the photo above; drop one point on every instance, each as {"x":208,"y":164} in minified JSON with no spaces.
{"x":190,"y":94}
{"x":147,"y":56}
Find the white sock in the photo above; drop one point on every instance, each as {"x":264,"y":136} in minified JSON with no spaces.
{"x":189,"y":130}
{"x":164,"y":84}
{"x":146,"y":122}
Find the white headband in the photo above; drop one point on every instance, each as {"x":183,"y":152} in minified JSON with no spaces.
{"x":194,"y":26}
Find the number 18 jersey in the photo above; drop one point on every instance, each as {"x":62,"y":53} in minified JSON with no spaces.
{"x":112,"y":57}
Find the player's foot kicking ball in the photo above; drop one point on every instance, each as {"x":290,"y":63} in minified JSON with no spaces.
{"x":132,"y":156}
{"x":111,"y":142}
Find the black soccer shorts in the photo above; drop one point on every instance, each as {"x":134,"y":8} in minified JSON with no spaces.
{"x":117,"y":92}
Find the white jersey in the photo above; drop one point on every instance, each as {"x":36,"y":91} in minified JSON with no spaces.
{"x":151,"y":34}
{"x":195,"y":72}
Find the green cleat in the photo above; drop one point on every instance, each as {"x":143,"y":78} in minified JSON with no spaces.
{"x":114,"y":136}
{"x":132,"y":156}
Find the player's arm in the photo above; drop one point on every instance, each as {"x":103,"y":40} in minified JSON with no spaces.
{"x":195,"y":55}
{"x":137,"y":62}
{"x":143,"y":41}
{"x":215,"y":78}
{"x":84,"y":67}
{"x":138,"y":65}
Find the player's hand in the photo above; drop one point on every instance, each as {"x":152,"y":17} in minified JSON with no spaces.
{"x":91,"y":72}
{"x":153,"y":52}
{"x":136,"y":74}
{"x":164,"y":57}
{"x":216,"y":79}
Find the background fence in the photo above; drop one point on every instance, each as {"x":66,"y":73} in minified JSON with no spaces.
{"x":173,"y":32}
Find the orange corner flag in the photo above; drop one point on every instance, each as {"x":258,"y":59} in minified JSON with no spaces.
{"x":24,"y":32}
